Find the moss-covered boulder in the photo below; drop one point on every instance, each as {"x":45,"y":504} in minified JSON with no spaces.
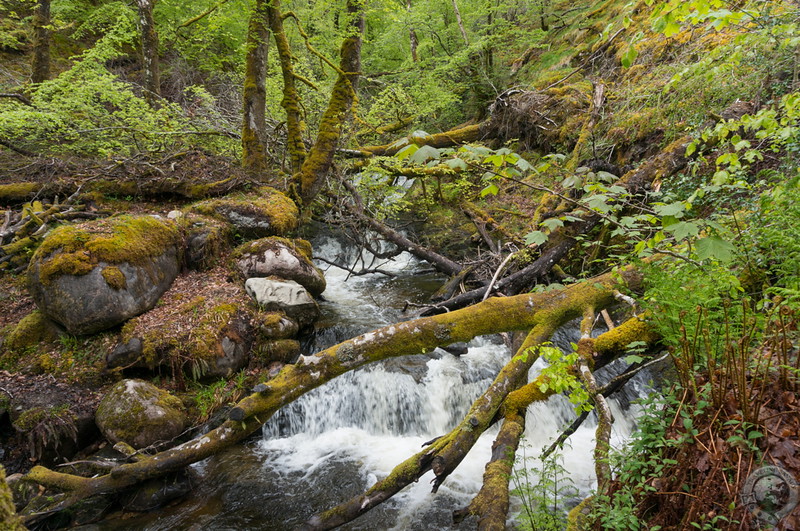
{"x":207,"y":239}
{"x":204,"y":327}
{"x":286,"y":296}
{"x":282,"y":350}
{"x":265,"y":212}
{"x":276,"y":325}
{"x":140,"y":414}
{"x":280,"y":257}
{"x":93,"y":276}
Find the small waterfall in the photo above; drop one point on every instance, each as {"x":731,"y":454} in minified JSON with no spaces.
{"x":379,"y":415}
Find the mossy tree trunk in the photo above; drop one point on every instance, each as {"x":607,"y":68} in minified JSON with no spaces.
{"x":311,"y":176}
{"x":254,"y":126}
{"x":40,"y":69}
{"x":295,"y":125}
{"x":541,"y":313}
{"x":151,"y":76}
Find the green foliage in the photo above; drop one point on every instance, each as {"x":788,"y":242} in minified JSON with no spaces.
{"x":88,"y":111}
{"x":559,"y":377}
{"x":542,"y":485}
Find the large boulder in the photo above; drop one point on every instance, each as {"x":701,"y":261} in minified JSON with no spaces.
{"x":279,"y":257}
{"x":284,"y":295}
{"x":93,"y":276}
{"x":140,"y":414}
{"x":204,"y":326}
{"x":266,"y":212}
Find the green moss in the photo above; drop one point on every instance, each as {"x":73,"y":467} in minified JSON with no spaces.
{"x":18,"y":191}
{"x":31,"y":330}
{"x":76,"y":250}
{"x":8,"y":516}
{"x":278,"y":210}
{"x":114,"y":277}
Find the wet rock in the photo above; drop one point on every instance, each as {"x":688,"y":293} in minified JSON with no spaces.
{"x":275,"y":325}
{"x":140,"y":414}
{"x":93,"y":276}
{"x":456,"y":349}
{"x":158,"y":492}
{"x":279,"y":257}
{"x":267,"y":212}
{"x":284,"y":295}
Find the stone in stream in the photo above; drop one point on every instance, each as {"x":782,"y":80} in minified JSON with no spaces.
{"x":280,"y":257}
{"x":285,"y":295}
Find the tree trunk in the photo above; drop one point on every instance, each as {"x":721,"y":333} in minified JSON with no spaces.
{"x":310,"y":178}
{"x":254,"y":127}
{"x":149,"y":50}
{"x":295,"y":125}
{"x":40,"y":69}
{"x":460,"y":23}
{"x":412,"y":34}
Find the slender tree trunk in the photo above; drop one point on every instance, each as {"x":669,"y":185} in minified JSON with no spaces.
{"x":460,"y":23}
{"x":295,"y":125}
{"x":320,"y":159}
{"x":412,"y":34}
{"x":254,"y":127}
{"x":40,"y":69}
{"x":150,"y":64}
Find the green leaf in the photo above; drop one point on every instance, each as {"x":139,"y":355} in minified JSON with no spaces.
{"x":424,"y":154}
{"x":552,"y":223}
{"x":716,"y":248}
{"x":456,"y":164}
{"x":683,"y":229}
{"x":671,"y":209}
{"x":407,"y":151}
{"x":572,"y":181}
{"x":633,"y":359}
{"x":492,"y":189}
{"x":536,"y":237}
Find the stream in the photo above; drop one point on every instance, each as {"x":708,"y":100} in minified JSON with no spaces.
{"x":337,"y":440}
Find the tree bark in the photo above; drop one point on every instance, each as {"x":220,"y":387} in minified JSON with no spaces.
{"x":460,"y":23}
{"x":254,"y":127}
{"x":310,"y":178}
{"x":149,"y":49}
{"x":295,"y":125}
{"x":40,"y":69}
{"x":412,"y":35}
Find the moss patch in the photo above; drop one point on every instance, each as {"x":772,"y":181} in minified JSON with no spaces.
{"x":277,"y":211}
{"x":32,"y":330}
{"x":18,"y":191}
{"x":77,"y":250}
{"x":114,"y":277}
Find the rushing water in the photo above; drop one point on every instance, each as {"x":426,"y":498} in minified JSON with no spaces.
{"x":339,"y":439}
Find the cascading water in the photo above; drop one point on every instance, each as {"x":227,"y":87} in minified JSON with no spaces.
{"x":339,"y":439}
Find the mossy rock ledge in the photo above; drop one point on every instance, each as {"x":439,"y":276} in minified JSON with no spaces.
{"x":266,"y":212}
{"x":93,"y":276}
{"x":288,"y":259}
{"x":140,"y":414}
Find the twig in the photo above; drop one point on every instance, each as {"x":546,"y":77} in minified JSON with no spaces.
{"x":496,"y":276}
